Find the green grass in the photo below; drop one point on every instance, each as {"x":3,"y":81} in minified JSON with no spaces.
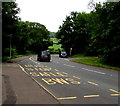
{"x":78,"y":55}
{"x":56,"y":47}
{"x":95,"y":61}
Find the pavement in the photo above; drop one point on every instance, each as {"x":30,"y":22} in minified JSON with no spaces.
{"x":18,"y":88}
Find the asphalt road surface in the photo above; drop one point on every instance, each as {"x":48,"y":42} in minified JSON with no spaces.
{"x":73,"y":83}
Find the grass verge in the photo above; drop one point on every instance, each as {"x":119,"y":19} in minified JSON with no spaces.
{"x":94,"y":61}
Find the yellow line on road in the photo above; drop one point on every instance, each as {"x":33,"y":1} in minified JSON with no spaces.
{"x":115,"y":94}
{"x":76,"y":77}
{"x":23,"y":69}
{"x":89,"y":96}
{"x":67,"y":98}
{"x":92,"y":83}
{"x":43,"y":87}
{"x":114,"y":91}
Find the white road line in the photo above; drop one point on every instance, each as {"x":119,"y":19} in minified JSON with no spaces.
{"x":93,"y":71}
{"x":87,"y":69}
{"x":68,"y":65}
{"x":99,"y":72}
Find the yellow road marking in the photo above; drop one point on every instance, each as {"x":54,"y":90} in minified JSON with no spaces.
{"x":114,"y":91}
{"x":76,"y":77}
{"x":89,"y":96}
{"x":67,"y":98}
{"x":23,"y":69}
{"x":114,"y":94}
{"x":44,"y":87}
{"x":92,"y":83}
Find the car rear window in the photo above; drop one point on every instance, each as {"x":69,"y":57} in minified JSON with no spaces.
{"x":44,"y":53}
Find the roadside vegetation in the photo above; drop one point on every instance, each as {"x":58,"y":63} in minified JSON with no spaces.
{"x":94,"y":61}
{"x":56,"y":47}
{"x":19,"y":37}
{"x":93,"y":34}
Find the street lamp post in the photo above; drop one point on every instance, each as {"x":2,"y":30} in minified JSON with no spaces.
{"x":10,"y":45}
{"x":70,"y":51}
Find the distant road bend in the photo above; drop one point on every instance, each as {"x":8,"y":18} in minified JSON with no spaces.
{"x":73,"y":83}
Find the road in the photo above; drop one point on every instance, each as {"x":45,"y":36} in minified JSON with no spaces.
{"x":73,"y":83}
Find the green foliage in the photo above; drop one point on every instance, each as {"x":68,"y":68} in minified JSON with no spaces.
{"x":56,"y":46}
{"x":9,"y":23}
{"x":33,"y":37}
{"x":21,"y":37}
{"x":94,"y":61}
{"x":95,"y":34}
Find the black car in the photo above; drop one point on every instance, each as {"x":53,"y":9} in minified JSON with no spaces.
{"x":63,"y":53}
{"x":44,"y":56}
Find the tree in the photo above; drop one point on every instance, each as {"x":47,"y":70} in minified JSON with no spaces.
{"x":32,"y":37}
{"x":74,"y":32}
{"x":9,"y":23}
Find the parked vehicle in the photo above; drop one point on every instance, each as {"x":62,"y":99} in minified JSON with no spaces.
{"x":44,"y":56}
{"x":63,"y":53}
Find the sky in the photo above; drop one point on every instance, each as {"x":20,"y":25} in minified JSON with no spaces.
{"x":50,"y":13}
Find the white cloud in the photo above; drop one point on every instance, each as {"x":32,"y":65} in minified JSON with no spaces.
{"x":50,"y":13}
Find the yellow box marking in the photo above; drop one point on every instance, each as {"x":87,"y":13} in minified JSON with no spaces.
{"x":40,"y":69}
{"x":62,"y":74}
{"x":29,"y":69}
{"x":23,"y":69}
{"x":36,"y":66}
{"x":36,"y":69}
{"x":49,"y":81}
{"x":76,"y":77}
{"x":44,"y":74}
{"x":72,"y":81}
{"x":46,"y":69}
{"x":115,"y":94}
{"x":34,"y":74}
{"x":52,"y":74}
{"x":44,"y":87}
{"x":90,"y":96}
{"x":60,"y":80}
{"x":53,"y":81}
{"x":92,"y":83}
{"x":67,"y":98}
{"x":114,"y":91}
{"x":28,"y":65}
